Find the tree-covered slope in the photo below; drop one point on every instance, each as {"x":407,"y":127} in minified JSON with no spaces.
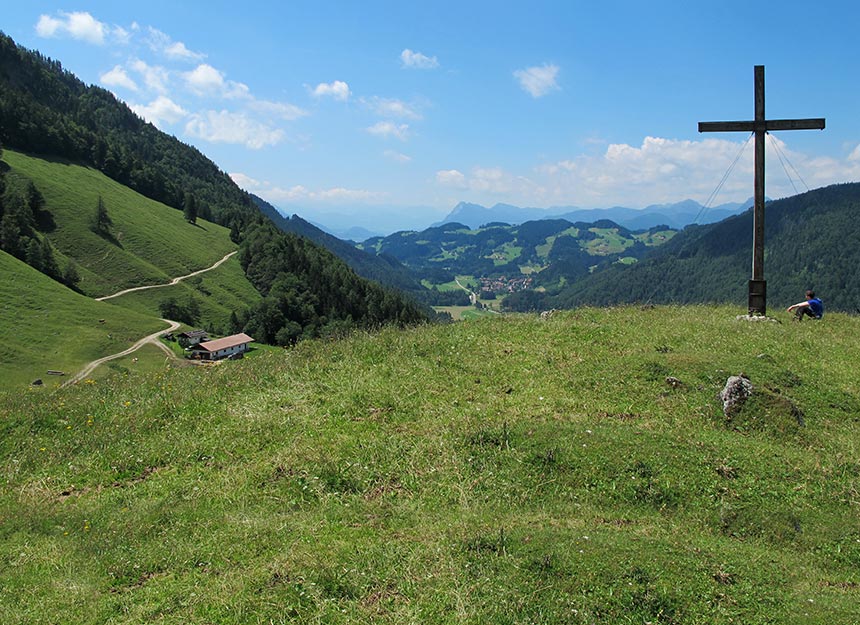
{"x":549,"y":251}
{"x":810,"y":243}
{"x":46,"y":110}
{"x":383,"y":269}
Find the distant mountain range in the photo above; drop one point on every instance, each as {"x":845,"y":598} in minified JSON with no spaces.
{"x":677,"y":215}
{"x":386,"y":270}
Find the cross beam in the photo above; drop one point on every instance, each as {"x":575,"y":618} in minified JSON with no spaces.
{"x":760,"y":125}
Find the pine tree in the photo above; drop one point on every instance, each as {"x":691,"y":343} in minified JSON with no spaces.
{"x":71,"y":277}
{"x":10,"y":235}
{"x":190,"y":209}
{"x":101,"y":223}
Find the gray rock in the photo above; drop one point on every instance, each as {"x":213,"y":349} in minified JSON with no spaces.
{"x":737,"y":390}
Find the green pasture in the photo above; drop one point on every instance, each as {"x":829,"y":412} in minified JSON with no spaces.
{"x":150,"y":243}
{"x":218,"y":293}
{"x":574,"y":469}
{"x":46,"y":326}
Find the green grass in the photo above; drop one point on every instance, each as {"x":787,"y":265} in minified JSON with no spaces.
{"x":44,"y":325}
{"x":152,"y":243}
{"x":509,"y":253}
{"x":544,"y":249}
{"x":507,"y":470}
{"x":655,"y":238}
{"x":608,"y":241}
{"x":218,"y":292}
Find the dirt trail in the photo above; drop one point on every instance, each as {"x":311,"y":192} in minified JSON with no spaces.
{"x":171,"y":283}
{"x":152,"y":338}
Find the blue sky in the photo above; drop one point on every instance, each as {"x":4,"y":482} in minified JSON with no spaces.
{"x":387,"y":114}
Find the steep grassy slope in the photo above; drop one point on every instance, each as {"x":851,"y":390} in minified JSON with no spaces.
{"x":44,"y":325}
{"x":217,"y":293}
{"x":510,"y":470}
{"x":150,"y":244}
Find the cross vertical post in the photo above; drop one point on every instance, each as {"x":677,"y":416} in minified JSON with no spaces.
{"x":760,"y":126}
{"x":758,"y":292}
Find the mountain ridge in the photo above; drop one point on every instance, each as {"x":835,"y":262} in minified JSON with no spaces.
{"x":676,"y":215}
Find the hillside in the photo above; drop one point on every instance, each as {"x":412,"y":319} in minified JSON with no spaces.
{"x":50,"y":114}
{"x":512,"y":470}
{"x":385,"y":270}
{"x":545,"y":253}
{"x":808,"y":244}
{"x":44,"y":325}
{"x":150,"y":243}
{"x":47,"y":110}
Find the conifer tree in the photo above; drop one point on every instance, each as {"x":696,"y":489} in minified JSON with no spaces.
{"x":190,"y":209}
{"x":101,"y":223}
{"x":71,"y":277}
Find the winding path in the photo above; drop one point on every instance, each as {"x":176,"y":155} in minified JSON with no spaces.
{"x":171,"y":283}
{"x":152,"y":338}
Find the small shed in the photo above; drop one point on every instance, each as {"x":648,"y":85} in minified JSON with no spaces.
{"x":228,"y":347}
{"x":191,"y":337}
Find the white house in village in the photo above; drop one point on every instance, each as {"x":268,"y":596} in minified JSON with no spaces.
{"x":218,"y":349}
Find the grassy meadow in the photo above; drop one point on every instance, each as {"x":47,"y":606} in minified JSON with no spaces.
{"x":503,"y":470}
{"x":44,"y":325}
{"x":217,"y":292}
{"x":150,"y":243}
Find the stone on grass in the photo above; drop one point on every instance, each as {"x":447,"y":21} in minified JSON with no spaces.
{"x":738,"y":388}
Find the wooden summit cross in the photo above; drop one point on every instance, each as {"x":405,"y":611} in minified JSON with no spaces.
{"x":760,"y":125}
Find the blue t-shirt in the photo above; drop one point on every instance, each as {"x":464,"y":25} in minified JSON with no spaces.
{"x":816,"y":306}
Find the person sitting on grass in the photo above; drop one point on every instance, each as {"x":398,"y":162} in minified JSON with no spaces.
{"x":812,"y":307}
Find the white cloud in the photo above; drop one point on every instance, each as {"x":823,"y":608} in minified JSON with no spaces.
{"x":451,"y":178}
{"x":300,"y":193}
{"x":666,"y":170}
{"x":204,"y":79}
{"x":283,"y":110}
{"x":118,"y":78}
{"x":855,"y":155}
{"x":416,"y":60}
{"x":244,"y":181}
{"x":155,"y":77}
{"x":177,"y":50}
{"x":389,"y":129}
{"x":237,"y":90}
{"x":490,"y":181}
{"x":235,"y":128}
{"x":397,"y":156}
{"x":391,"y":107}
{"x":338,"y":90}
{"x":538,"y":81}
{"x":339,"y":194}
{"x":79,"y":25}
{"x":121,"y":35}
{"x":161,"y":110}
{"x":162,"y":43}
